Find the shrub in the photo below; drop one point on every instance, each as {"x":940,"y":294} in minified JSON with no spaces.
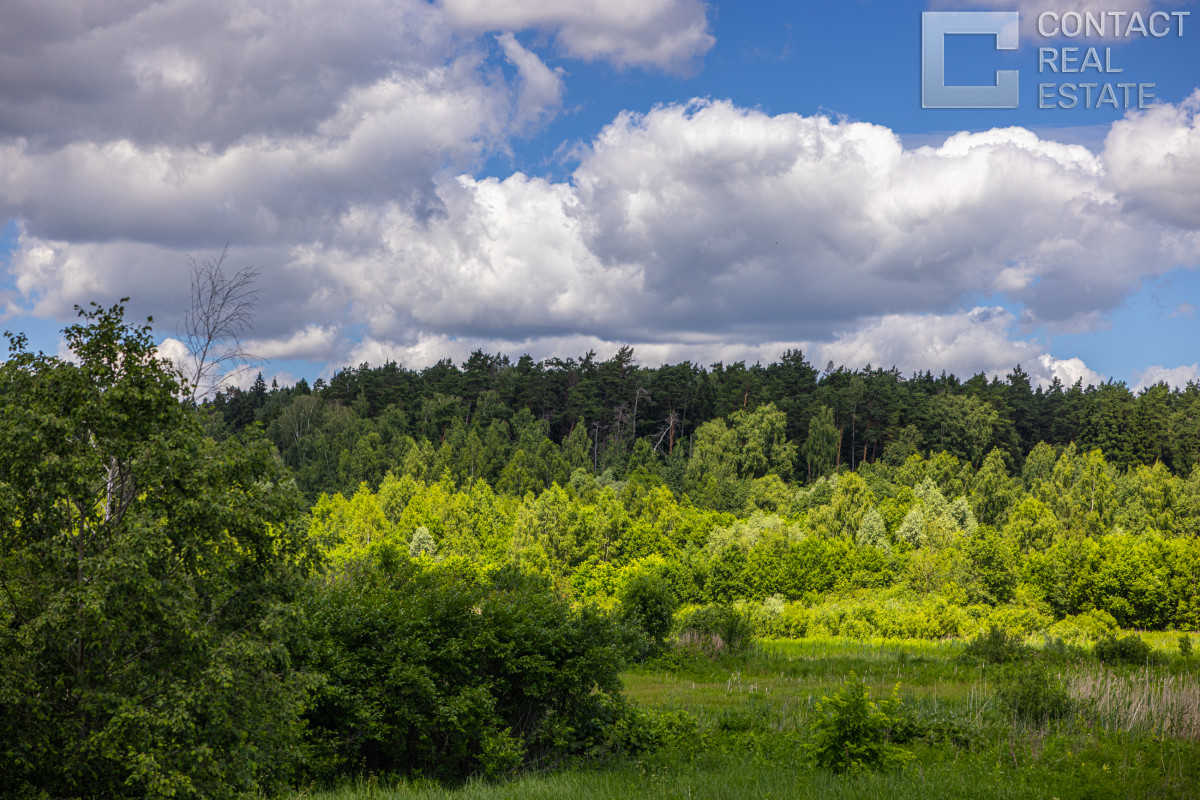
{"x":726,"y":622}
{"x":855,"y":628}
{"x":1031,"y":693}
{"x":647,"y":608}
{"x":995,"y":646}
{"x":1019,"y":620}
{"x":852,"y":732}
{"x":1086,"y":627}
{"x":1126,"y":650}
{"x":1185,"y":645}
{"x":794,"y":622}
{"x":446,"y":670}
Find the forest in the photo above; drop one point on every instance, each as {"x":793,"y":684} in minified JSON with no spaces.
{"x":757,"y":483}
{"x":474,"y":573}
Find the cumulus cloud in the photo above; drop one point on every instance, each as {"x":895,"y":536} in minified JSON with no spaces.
{"x":702,"y":231}
{"x":210,"y":71}
{"x":700,"y":224}
{"x":667,"y":34}
{"x":753,"y":221}
{"x":963,"y":343}
{"x":383,"y":141}
{"x":1153,"y":158}
{"x":1177,"y":377}
{"x":541,"y":87}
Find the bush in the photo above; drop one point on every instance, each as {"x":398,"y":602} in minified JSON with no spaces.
{"x":647,"y":608}
{"x":852,"y":732}
{"x":1185,"y":645}
{"x":730,"y":625}
{"x":995,"y":646}
{"x":1126,"y":650}
{"x":1022,"y":621}
{"x":447,"y":670}
{"x":1086,"y":627}
{"x":1031,"y":693}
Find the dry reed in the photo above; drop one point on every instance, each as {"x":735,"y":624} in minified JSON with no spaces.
{"x":1145,"y":702}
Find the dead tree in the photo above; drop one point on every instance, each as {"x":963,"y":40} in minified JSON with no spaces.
{"x":222,"y":312}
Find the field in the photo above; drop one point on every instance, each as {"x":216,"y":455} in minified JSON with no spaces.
{"x":740,"y":729}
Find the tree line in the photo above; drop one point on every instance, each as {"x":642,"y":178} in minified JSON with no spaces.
{"x":614,"y":414}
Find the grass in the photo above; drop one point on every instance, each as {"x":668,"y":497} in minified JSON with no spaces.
{"x":1147,"y":701}
{"x":1135,"y":732}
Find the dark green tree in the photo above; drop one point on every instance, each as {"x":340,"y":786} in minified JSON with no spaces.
{"x":146,"y":576}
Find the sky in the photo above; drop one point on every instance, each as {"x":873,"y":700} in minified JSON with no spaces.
{"x":712,"y":182}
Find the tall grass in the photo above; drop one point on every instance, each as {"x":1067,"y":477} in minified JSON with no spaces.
{"x":1146,"y":701}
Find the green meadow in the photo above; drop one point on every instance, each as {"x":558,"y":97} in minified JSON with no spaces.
{"x":740,"y":729}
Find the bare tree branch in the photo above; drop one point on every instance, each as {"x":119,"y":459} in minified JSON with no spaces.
{"x":222,"y":313}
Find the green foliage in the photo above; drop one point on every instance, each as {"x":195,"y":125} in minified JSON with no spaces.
{"x":732,"y":626}
{"x":853,"y":732}
{"x":996,"y":646}
{"x":647,"y":606}
{"x":1185,"y":645}
{"x":873,"y":531}
{"x":422,"y":543}
{"x":447,"y":670}
{"x":1130,"y":649}
{"x":1086,"y":627}
{"x":148,"y":575}
{"x":1031,"y":693}
{"x":820,"y":448}
{"x":992,"y":567}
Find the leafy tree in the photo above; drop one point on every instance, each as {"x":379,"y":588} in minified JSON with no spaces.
{"x":469,"y":671}
{"x":966,"y":424}
{"x":727,"y":575}
{"x":843,"y":516}
{"x":146,"y":576}
{"x":873,"y":531}
{"x":993,"y":491}
{"x":992,"y":566}
{"x":648,"y":605}
{"x":821,"y":446}
{"x":1032,"y":525}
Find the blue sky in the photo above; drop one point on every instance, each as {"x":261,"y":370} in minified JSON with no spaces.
{"x":704,"y":181}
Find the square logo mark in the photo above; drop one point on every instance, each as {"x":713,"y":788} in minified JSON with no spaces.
{"x":935,"y":27}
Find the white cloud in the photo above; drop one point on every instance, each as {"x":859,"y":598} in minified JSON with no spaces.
{"x":313,"y":342}
{"x":541,"y":87}
{"x":1153,"y":158}
{"x":211,"y":71}
{"x":668,"y":34}
{"x":1178,"y":377}
{"x":1067,"y":370}
{"x":750,"y":220}
{"x":963,"y":343}
{"x":176,"y":352}
{"x":702,"y":231}
{"x":384,"y":141}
